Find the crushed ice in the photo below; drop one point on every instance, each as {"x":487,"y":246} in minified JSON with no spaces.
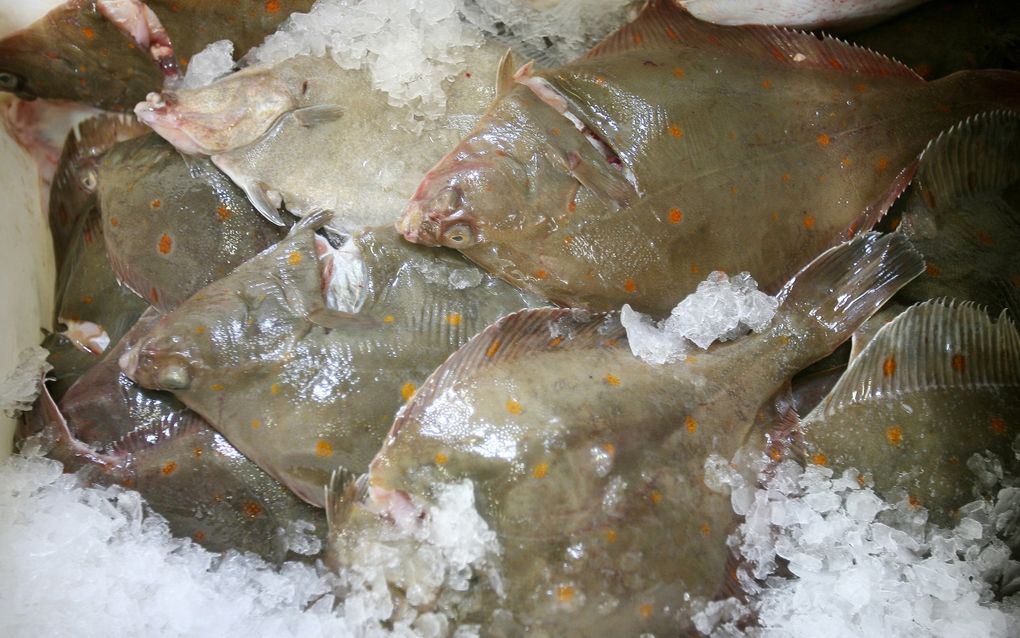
{"x":721,"y":309}
{"x":209,"y":64}
{"x":20,"y":388}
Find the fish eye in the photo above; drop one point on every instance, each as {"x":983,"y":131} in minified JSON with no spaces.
{"x":89,"y":181}
{"x":10,"y":81}
{"x":174,"y":377}
{"x":459,"y":236}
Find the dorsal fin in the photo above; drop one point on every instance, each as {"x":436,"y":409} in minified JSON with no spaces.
{"x":505,"y":75}
{"x":978,"y":155}
{"x":663,"y":24}
{"x":516,"y":335}
{"x":935,"y":344}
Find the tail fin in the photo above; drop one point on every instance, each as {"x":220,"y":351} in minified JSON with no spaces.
{"x":846,"y":284}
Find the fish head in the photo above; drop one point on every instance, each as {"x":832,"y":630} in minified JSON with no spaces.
{"x":498,"y":181}
{"x":229,"y":113}
{"x":161,"y":362}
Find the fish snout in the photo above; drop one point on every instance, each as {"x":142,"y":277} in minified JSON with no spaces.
{"x":148,"y":366}
{"x":423,"y":219}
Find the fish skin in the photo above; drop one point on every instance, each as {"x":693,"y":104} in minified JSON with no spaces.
{"x":150,"y":442}
{"x":301,"y":389}
{"x":172,"y":225}
{"x":742,"y":166}
{"x":535,"y":405}
{"x":963,"y":213}
{"x":75,"y":53}
{"x":935,"y":386}
{"x":945,"y":36}
{"x":258,"y":123}
{"x":804,"y":14}
{"x":74,"y":185}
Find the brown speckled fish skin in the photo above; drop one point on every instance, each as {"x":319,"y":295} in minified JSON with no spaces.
{"x":572,"y":442}
{"x":934,"y":387}
{"x":172,"y":225}
{"x":74,"y":185}
{"x":187,"y":472}
{"x":74,"y":53}
{"x":744,"y":158}
{"x":963,"y":213}
{"x":301,"y":389}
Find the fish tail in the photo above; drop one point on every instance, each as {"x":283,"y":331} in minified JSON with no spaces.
{"x":980,"y":90}
{"x":834,"y":294}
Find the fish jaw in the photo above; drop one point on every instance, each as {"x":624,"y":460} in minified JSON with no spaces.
{"x":156,"y":113}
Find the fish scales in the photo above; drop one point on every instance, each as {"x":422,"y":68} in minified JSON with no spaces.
{"x":719,"y":148}
{"x":588,"y":463}
{"x":301,"y":389}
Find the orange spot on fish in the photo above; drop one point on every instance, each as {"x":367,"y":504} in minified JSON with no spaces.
{"x":913,"y":501}
{"x":706,"y":529}
{"x":165,"y":244}
{"x":197,"y":452}
{"x":694,"y":268}
{"x":846,"y":162}
{"x":932,"y":270}
{"x":88,"y":32}
{"x":323,"y":448}
{"x":274,"y":388}
{"x":198,"y":536}
{"x":691,"y":424}
{"x":882,"y":164}
{"x":998,"y":425}
{"x":609,"y":449}
{"x":775,"y":216}
{"x":809,"y":222}
{"x":775,"y":453}
{"x":571,"y":206}
{"x":671,"y":34}
{"x":612,"y":379}
{"x":600,"y":80}
{"x":555,"y":131}
{"x":453,"y":319}
{"x":894,"y":435}
{"x":638,"y":38}
{"x":154,"y":295}
{"x":645,"y":610}
{"x":168,"y":468}
{"x":555,"y":341}
{"x":678,"y":72}
{"x":87,"y":299}
{"x":513,"y":407}
{"x":540,"y":274}
{"x":860,"y":88}
{"x":114,"y":222}
{"x":540,"y":470}
{"x":783,"y":340}
{"x":255,"y":424}
{"x":676,"y":131}
{"x":184,"y":61}
{"x":834,"y":63}
{"x":272,"y":6}
{"x":252,"y":509}
{"x":294,"y":258}
{"x":223,"y":212}
{"x":655,"y":497}
{"x":155,"y":204}
{"x":441,"y":458}
{"x":611,"y":535}
{"x":786,"y":177}
{"x":493,"y":348}
{"x":819,"y":459}
{"x":568,"y":239}
{"x":387,"y":319}
{"x":959,"y":363}
{"x":733,"y":189}
{"x":675,"y":215}
{"x":200,"y":330}
{"x":629,"y":285}
{"x":407,"y":391}
{"x":823,"y":140}
{"x":766,"y":84}
{"x":216,"y":387}
{"x":985,"y":238}
{"x":564,"y":593}
{"x":889,"y":366}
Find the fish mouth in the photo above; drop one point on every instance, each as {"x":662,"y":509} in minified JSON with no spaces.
{"x":128,"y":361}
{"x":159,"y":113}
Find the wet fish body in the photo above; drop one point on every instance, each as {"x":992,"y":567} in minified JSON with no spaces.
{"x":172,"y":225}
{"x":936,"y":387}
{"x":588,"y":463}
{"x":805,"y":14}
{"x":677,"y":148}
{"x":302,"y":389}
{"x":78,"y":51}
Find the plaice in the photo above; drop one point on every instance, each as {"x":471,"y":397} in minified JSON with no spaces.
{"x":302,"y":389}
{"x":805,"y":14}
{"x":676,"y":148}
{"x":588,"y":463}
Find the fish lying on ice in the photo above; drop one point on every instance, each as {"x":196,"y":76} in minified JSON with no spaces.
{"x":301,"y":389}
{"x":111,"y":431}
{"x":677,"y":148}
{"x":806,"y":14}
{"x":963,"y":213}
{"x":358,"y":156}
{"x":935,"y":387}
{"x":588,"y":463}
{"x":172,"y":225}
{"x":110,"y":53}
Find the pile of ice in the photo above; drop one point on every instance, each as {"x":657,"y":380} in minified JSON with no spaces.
{"x":721,"y":309}
{"x":209,"y":64}
{"x":95,"y":562}
{"x":20,"y":388}
{"x":862,"y":566}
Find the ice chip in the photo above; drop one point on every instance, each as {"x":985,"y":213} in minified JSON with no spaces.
{"x":648,"y":342}
{"x":864,"y":505}
{"x":19,"y":389}
{"x":212,"y":62}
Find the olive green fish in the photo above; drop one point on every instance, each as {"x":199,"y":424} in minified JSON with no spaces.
{"x":676,"y":148}
{"x":935,"y":386}
{"x":589,"y":463}
{"x":111,"y":53}
{"x":963,"y":213}
{"x":172,"y":225}
{"x":301,"y":389}
{"x":358,"y":156}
